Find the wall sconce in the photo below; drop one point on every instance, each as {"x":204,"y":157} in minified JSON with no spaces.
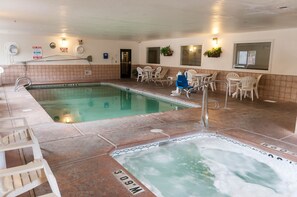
{"x":64,"y":42}
{"x":215,"y":42}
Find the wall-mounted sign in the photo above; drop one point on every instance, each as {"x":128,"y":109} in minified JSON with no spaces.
{"x":105,"y":55}
{"x":37,"y":52}
{"x":64,"y":49}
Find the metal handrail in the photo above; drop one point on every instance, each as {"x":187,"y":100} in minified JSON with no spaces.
{"x":204,"y":112}
{"x":18,"y":80}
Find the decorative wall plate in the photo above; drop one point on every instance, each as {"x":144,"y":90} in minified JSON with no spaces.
{"x":52,"y":45}
{"x":13,"y":49}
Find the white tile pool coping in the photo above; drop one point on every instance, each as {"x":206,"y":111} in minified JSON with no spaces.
{"x":195,"y":136}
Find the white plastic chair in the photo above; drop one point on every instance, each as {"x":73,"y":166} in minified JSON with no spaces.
{"x":162,"y":77}
{"x":157,"y":72}
{"x":1,"y":71}
{"x":18,"y":180}
{"x":245,"y":85}
{"x":256,"y":86}
{"x":190,"y":78}
{"x":212,"y":82}
{"x":141,"y":74}
{"x":230,"y":82}
{"x":20,"y":137}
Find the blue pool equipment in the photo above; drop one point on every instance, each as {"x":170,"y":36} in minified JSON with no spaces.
{"x":183,"y":85}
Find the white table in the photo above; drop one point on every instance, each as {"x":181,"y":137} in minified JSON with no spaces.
{"x":233,"y":80}
{"x":199,"y":77}
{"x":149,"y":73}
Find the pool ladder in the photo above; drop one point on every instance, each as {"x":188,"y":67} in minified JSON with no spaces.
{"x":18,"y":83}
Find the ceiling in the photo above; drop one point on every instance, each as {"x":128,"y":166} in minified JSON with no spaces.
{"x":141,"y":20}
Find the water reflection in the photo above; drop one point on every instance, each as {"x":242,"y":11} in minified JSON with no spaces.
{"x":80,"y":104}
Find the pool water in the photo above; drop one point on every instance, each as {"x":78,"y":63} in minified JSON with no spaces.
{"x":81,"y":104}
{"x":210,"y":167}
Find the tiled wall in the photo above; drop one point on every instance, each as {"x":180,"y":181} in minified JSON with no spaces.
{"x":61,"y":73}
{"x":282,"y":88}
{"x":273,"y":87}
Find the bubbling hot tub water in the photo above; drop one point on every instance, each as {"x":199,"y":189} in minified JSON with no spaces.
{"x":211,"y":165}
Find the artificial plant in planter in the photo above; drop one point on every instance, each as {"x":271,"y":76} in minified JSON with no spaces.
{"x":166,"y":51}
{"x":214,"y":52}
{"x":134,"y":73}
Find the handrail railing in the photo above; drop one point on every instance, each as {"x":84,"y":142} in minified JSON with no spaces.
{"x":20,"y":79}
{"x":204,"y":112}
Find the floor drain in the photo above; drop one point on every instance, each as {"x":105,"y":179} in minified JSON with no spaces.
{"x":156,"y":130}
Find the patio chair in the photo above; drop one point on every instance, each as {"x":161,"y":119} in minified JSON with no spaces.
{"x":157,"y":72}
{"x":256,"y":86}
{"x":141,"y":74}
{"x":19,"y":137}
{"x":18,"y":180}
{"x":189,"y":74}
{"x":182,"y":85}
{"x":246,"y":85}
{"x":231,"y":83}
{"x":211,"y":79}
{"x":162,"y":77}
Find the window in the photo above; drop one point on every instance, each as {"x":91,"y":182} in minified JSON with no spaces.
{"x":252,"y":55}
{"x":153,"y":55}
{"x":191,"y":55}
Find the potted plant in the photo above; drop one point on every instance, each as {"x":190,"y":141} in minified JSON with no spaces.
{"x":214,"y":52}
{"x":166,"y":51}
{"x":134,"y":73}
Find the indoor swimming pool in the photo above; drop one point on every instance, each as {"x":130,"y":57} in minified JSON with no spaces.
{"x":209,"y":165}
{"x":81,"y":103}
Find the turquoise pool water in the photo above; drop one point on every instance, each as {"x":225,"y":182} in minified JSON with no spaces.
{"x":81,"y":104}
{"x":210,"y":166}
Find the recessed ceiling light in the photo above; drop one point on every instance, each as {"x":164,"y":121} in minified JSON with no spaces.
{"x":282,"y":7}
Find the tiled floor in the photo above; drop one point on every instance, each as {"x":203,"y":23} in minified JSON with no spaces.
{"x":79,"y":154}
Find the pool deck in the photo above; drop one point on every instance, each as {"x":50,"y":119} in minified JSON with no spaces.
{"x":78,"y":154}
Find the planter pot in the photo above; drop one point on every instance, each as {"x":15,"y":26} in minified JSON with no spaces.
{"x":219,"y":55}
{"x":169,"y":54}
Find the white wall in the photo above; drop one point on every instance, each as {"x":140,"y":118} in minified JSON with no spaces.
{"x":283,"y":56}
{"x":93,"y":47}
